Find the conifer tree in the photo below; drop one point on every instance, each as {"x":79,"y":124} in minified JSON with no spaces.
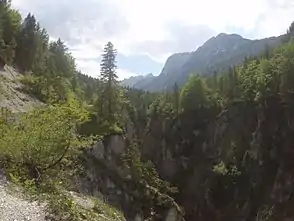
{"x":26,"y":44}
{"x":9,"y":26}
{"x":109,"y":79}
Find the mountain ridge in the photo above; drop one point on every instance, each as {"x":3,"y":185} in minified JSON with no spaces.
{"x":216,"y":55}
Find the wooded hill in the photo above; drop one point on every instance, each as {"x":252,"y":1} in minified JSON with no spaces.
{"x":218,"y":148}
{"x":214,"y":57}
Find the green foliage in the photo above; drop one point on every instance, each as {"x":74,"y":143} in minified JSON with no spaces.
{"x":110,"y":93}
{"x":223,"y":170}
{"x":32,"y":45}
{"x":139,"y":106}
{"x":193,"y":94}
{"x":107,"y":211}
{"x":33,"y":85}
{"x":162,"y":106}
{"x":61,"y":207}
{"x":33,"y":147}
{"x":9,"y":27}
{"x":151,"y":191}
{"x":220,"y":168}
{"x":243,"y":120}
{"x":64,"y":207}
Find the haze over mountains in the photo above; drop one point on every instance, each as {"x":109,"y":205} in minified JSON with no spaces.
{"x":215,"y":56}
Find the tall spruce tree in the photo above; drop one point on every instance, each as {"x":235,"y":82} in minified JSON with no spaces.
{"x":10,"y":20}
{"x":109,"y":78}
{"x":27,"y":44}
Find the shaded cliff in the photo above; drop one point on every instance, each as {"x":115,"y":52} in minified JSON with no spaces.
{"x":112,"y":176}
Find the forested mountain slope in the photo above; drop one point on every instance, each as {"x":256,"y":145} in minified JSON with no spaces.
{"x":214,"y":56}
{"x":226,"y":141}
{"x":79,"y":140}
{"x":219,"y":147}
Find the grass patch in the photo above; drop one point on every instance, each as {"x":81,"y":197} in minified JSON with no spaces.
{"x":107,"y":211}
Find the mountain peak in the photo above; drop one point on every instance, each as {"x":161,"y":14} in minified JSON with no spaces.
{"x":215,"y":55}
{"x":225,"y":35}
{"x":149,"y":75}
{"x":221,"y":35}
{"x":224,"y":41}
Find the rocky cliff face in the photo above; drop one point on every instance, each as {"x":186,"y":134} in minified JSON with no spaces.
{"x":106,"y":178}
{"x":192,"y":150}
{"x":174,"y":62}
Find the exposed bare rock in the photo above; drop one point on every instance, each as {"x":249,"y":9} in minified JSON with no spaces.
{"x":14,"y":206}
{"x":11,"y":95}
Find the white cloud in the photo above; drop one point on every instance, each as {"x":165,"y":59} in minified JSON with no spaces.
{"x":154,"y":27}
{"x":123,"y":74}
{"x":90,"y":67}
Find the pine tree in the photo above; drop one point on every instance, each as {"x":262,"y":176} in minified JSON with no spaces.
{"x":110,"y":79}
{"x":42,"y":42}
{"x":27,"y":44}
{"x":9,"y":26}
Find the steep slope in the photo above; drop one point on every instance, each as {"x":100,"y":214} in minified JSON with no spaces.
{"x":11,"y":95}
{"x":14,"y":206}
{"x":175,"y":62}
{"x":232,"y":157}
{"x":214,"y":56}
{"x":221,"y":52}
{"x":172,"y":66}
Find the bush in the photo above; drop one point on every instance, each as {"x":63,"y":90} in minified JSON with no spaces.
{"x":41,"y":140}
{"x":32,"y":85}
{"x":62,"y":207}
{"x":99,"y":127}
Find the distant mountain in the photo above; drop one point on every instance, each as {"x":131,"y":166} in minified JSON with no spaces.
{"x":215,"y":56}
{"x":140,"y":81}
{"x":130,"y":82}
{"x":175,"y":61}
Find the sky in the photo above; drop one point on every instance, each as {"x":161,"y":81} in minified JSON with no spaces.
{"x":146,"y":32}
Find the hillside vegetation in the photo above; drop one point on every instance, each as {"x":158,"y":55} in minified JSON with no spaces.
{"x":218,"y":147}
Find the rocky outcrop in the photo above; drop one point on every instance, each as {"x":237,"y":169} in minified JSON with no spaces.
{"x":105,"y":177}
